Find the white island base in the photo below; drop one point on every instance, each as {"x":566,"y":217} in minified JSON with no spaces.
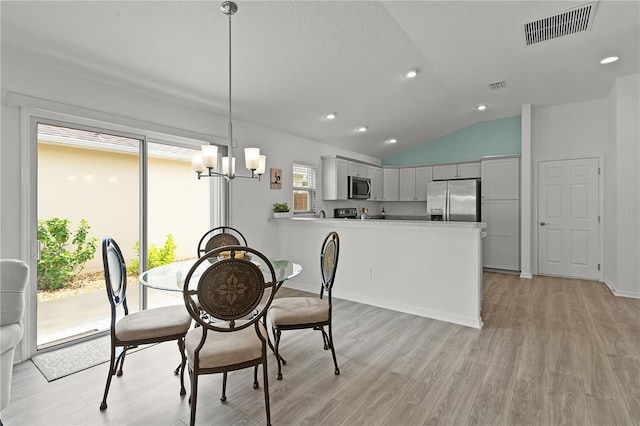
{"x":431,"y":269}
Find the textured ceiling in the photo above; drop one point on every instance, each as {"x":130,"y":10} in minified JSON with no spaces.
{"x":294,"y":61}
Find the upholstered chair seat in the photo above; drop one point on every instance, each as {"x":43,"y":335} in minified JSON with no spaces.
{"x":223,"y":349}
{"x":153,"y":323}
{"x":298,"y":310}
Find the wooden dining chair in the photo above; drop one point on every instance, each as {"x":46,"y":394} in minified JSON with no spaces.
{"x":295,"y":313}
{"x":148,"y":326}
{"x":220,"y":294}
{"x":218,"y":237}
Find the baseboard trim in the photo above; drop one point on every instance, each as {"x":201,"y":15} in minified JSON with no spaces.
{"x":618,"y":293}
{"x":408,"y":309}
{"x":526,"y":275}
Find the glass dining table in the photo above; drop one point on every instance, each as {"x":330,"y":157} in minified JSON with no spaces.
{"x":171,"y":277}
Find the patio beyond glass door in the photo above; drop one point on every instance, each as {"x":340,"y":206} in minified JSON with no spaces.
{"x":88,"y":188}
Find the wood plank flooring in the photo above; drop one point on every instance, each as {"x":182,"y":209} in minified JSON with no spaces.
{"x":553,"y":351}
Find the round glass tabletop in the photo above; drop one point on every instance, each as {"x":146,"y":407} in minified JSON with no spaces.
{"x":171,"y":277}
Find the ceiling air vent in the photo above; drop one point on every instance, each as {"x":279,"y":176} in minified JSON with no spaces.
{"x":561,"y":24}
{"x":497,"y":85}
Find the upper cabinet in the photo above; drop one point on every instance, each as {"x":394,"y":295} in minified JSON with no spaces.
{"x":356,"y":169}
{"x":391,"y":187}
{"x":413,"y":183}
{"x":457,"y":171}
{"x":501,"y":178}
{"x":334,"y":178}
{"x":375,"y":174}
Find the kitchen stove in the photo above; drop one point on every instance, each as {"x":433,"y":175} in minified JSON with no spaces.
{"x":345,"y":213}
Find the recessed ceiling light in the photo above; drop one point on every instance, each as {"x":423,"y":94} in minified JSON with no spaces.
{"x":411,"y":73}
{"x":330,"y":115}
{"x":481,"y":107}
{"x":609,"y":60}
{"x":392,"y":140}
{"x":363,"y":129}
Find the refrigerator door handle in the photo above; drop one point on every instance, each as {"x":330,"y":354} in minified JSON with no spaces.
{"x":446,"y":204}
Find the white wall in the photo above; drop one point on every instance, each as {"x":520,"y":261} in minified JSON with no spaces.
{"x":624,"y":209}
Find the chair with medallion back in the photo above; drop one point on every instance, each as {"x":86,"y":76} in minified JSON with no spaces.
{"x":295,"y":313}
{"x":148,"y":326}
{"x":218,"y":237}
{"x":220,"y":293}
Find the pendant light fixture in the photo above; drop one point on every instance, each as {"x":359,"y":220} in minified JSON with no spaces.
{"x":205,"y":162}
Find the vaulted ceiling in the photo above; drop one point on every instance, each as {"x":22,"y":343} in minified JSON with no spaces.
{"x":294,"y":61}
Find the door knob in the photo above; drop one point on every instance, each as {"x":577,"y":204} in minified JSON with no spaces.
{"x":543,"y":223}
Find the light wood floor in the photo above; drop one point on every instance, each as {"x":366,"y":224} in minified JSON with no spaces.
{"x":553,"y":351}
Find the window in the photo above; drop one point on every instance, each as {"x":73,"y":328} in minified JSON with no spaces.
{"x":304,"y":188}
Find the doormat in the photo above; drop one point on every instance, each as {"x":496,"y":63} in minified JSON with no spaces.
{"x":63,"y":362}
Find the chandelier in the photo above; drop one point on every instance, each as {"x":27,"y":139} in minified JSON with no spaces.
{"x":205,"y":162}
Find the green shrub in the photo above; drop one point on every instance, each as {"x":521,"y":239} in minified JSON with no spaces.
{"x":156,"y":256}
{"x":60,"y":262}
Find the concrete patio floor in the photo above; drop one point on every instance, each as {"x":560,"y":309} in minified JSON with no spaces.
{"x":86,"y":313}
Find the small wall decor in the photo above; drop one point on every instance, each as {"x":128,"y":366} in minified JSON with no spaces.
{"x":276,"y":178}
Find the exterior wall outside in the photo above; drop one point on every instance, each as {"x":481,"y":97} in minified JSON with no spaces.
{"x":491,"y":137}
{"x":103,"y":188}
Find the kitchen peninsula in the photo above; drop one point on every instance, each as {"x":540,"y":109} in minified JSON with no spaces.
{"x":431,"y":269}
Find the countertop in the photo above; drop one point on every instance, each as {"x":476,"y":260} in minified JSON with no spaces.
{"x":384,"y":222}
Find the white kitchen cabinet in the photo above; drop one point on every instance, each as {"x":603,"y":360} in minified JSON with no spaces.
{"x":423,"y":175}
{"x":334,"y":178}
{"x":375,"y":174}
{"x":469,"y":170}
{"x":356,"y":169}
{"x":501,"y":179}
{"x":501,"y":211}
{"x":502,"y":244}
{"x":407,"y":184}
{"x":391,"y":184}
{"x":447,"y":171}
{"x":413,"y":183}
{"x":457,"y":171}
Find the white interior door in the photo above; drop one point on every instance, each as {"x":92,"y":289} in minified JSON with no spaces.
{"x":568,"y":218}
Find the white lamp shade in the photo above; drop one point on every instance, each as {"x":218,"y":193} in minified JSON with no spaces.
{"x":252,"y":158}
{"x":210,"y":156}
{"x":263,"y":165}
{"x":225,"y":166}
{"x":196,"y":162}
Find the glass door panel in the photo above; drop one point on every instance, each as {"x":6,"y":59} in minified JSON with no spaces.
{"x":179,"y":212}
{"x":88,"y":188}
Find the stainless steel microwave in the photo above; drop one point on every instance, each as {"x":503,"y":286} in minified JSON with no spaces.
{"x":359,"y":188}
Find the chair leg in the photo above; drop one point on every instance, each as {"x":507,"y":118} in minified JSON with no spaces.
{"x":193,"y":399}
{"x":256,"y":385}
{"x":112,"y":368}
{"x":278,"y":333}
{"x":266,"y":387}
{"x":120,"y":360}
{"x":325,"y":338}
{"x":333,"y":351}
{"x":223,"y":398}
{"x":183,"y":362}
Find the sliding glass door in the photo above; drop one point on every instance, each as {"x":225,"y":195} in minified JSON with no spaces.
{"x":88,"y":188}
{"x":92,"y":183}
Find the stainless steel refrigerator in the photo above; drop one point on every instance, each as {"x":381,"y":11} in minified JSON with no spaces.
{"x":454,"y":200}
